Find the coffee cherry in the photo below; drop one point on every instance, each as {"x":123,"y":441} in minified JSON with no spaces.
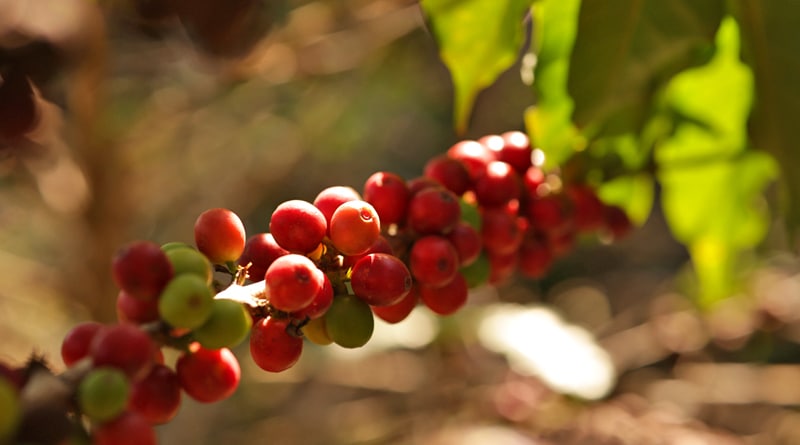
{"x":189,"y":260}
{"x":588,"y":212}
{"x":298,"y":226}
{"x":434,"y":211}
{"x":355,"y":226}
{"x":535,"y":258}
{"x":141,"y":269}
{"x":319,"y":305}
{"x":103,"y":394}
{"x":316,"y":331}
{"x":226,"y":327}
{"x":219,"y":234}
{"x":497,"y":184}
{"x":617,"y":222}
{"x":292,"y":282}
{"x":208,"y":375}
{"x":502,"y":266}
{"x":380,"y":279}
{"x":129,"y":428}
{"x":433,"y":260}
{"x":186,"y":302}
{"x":330,"y":198}
{"x":399,"y":311}
{"x":134,"y":310}
{"x":272,"y":347}
{"x":125,"y":347}
{"x":76,"y":344}
{"x":388,"y":193}
{"x":449,"y":172}
{"x":501,"y":231}
{"x":516,"y":150}
{"x":349,"y":321}
{"x":467,"y":241}
{"x":156,"y":397}
{"x":260,"y":251}
{"x":547,"y":213}
{"x":474,"y":155}
{"x":447,"y":299}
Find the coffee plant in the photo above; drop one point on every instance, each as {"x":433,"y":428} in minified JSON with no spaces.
{"x":685,"y":104}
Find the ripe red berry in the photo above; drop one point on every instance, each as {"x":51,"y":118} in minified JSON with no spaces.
{"x":516,"y":150}
{"x":467,"y":241}
{"x":388,"y":193}
{"x":134,"y":310}
{"x":617,"y":222}
{"x":433,"y":260}
{"x":157,"y":397}
{"x":501,"y":231}
{"x":380,"y":279}
{"x":434,"y":210}
{"x":330,"y":198}
{"x":498,"y":184}
{"x":292,"y":282}
{"x":355,"y":226}
{"x":141,"y":269}
{"x":451,"y":173}
{"x":473,"y":154}
{"x":399,"y":311}
{"x":260,"y":251}
{"x":77,"y":342}
{"x":321,"y":302}
{"x":532,"y":180}
{"x":535,"y":257}
{"x":272,"y":348}
{"x":125,"y":347}
{"x":219,"y":234}
{"x":130,"y":428}
{"x":547,"y":213}
{"x":502,"y":266}
{"x":298,"y":226}
{"x":448,"y":299}
{"x":381,"y":245}
{"x":588,"y":212}
{"x":208,"y":375}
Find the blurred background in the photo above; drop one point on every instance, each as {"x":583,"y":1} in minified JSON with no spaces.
{"x":146,"y":117}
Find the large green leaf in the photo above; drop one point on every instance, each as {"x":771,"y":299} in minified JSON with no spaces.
{"x":478,"y":40}
{"x":712,"y":184}
{"x":771,"y":45}
{"x":549,"y":122}
{"x":626,"y":49}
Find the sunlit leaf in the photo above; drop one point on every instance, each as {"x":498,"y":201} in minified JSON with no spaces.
{"x":478,"y":40}
{"x":772,"y":47}
{"x":550,"y":121}
{"x":625,"y":49}
{"x":634,"y":193}
{"x":713,"y":185}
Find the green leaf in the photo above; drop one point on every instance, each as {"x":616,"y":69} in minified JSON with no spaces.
{"x":712,"y":184}
{"x":626,"y":49}
{"x":772,"y":48}
{"x":633,"y":193}
{"x":549,"y":123}
{"x":478,"y":40}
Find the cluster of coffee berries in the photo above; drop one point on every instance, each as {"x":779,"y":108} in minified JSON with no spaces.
{"x":322,"y":271}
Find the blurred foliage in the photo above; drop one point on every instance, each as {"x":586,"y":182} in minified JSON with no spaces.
{"x":149,"y":112}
